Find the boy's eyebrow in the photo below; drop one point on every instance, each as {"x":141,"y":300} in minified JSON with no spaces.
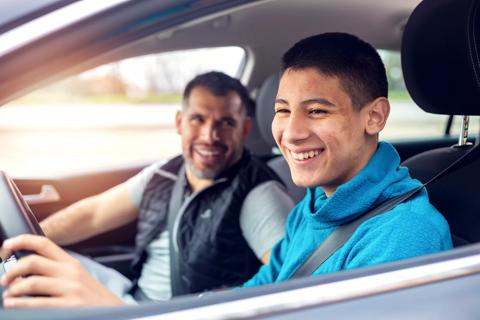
{"x":321,"y":101}
{"x":281,"y":101}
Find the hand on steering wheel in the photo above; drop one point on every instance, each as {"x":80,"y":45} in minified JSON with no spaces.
{"x":44,"y":275}
{"x":50,"y":278}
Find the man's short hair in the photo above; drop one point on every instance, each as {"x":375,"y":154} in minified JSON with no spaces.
{"x":356,"y":63}
{"x":220,"y":84}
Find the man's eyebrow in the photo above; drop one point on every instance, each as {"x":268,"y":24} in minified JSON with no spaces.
{"x":228,"y":118}
{"x":321,"y":101}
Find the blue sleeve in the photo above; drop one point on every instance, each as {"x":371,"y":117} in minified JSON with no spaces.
{"x":269,"y":272}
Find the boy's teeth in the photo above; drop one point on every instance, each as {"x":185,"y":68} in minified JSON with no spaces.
{"x":304,"y":155}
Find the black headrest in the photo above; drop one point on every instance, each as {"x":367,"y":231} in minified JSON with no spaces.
{"x":441,"y":56}
{"x":264,"y":109}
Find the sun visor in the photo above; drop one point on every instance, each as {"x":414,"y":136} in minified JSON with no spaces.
{"x":440,"y":56}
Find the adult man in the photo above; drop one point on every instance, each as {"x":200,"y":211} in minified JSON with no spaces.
{"x":330,"y":107}
{"x":216,"y":210}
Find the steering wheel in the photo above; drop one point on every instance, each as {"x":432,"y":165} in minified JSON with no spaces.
{"x":16,"y":217}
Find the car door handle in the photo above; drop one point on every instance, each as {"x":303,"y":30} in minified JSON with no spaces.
{"x":48,"y":194}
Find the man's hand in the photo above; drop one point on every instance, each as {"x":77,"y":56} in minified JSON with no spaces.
{"x":50,"y":278}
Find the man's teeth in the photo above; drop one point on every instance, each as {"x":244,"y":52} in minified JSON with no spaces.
{"x":304,"y":155}
{"x":209,"y":153}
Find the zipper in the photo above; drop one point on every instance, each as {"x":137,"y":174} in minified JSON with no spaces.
{"x":182,"y":209}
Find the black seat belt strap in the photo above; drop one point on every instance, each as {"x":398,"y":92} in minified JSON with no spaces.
{"x":176,"y":200}
{"x":343,"y":233}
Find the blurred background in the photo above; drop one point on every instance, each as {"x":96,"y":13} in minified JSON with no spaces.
{"x":123,"y":113}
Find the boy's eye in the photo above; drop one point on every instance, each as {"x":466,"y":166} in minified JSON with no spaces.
{"x":281,"y":110}
{"x":317,"y":111}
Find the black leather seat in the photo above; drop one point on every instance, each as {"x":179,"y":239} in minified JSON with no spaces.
{"x":264,"y":115}
{"x":441,"y":66}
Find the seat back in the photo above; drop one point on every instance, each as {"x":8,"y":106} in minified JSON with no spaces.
{"x":264,"y":115}
{"x":441,"y":66}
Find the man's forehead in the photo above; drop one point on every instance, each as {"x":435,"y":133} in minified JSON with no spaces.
{"x":205,"y":102}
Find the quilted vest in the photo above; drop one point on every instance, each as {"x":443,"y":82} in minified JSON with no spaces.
{"x":212,"y":252}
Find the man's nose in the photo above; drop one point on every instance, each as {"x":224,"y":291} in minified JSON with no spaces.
{"x":296,"y":128}
{"x":210,"y":132}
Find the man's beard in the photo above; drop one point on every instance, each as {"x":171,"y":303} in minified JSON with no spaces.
{"x":212,"y":173}
{"x":206,"y":174}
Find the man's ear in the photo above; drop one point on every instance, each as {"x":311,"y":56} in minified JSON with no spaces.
{"x":178,"y":122}
{"x":247,"y":127}
{"x":377,"y":115}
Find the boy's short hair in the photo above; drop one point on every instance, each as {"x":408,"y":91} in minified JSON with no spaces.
{"x":356,"y":63}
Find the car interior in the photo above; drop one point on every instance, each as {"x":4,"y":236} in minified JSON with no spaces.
{"x":457,"y":53}
{"x":250,"y":25}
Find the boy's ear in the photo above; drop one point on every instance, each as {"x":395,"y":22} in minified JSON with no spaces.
{"x":377,"y":115}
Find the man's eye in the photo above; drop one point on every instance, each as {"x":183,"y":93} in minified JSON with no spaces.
{"x":196,"y":118}
{"x":228,"y":122}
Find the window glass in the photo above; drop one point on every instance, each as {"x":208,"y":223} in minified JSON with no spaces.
{"x":473,"y":126}
{"x":117,"y":114}
{"x":406,"y":120}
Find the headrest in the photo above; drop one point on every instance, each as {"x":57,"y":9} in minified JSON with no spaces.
{"x":441,"y":56}
{"x":264,"y":109}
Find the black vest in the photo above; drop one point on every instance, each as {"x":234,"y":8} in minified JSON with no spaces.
{"x":212,"y":251}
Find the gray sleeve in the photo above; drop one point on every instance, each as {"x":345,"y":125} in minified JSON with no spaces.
{"x":263,"y":216}
{"x":137,"y":184}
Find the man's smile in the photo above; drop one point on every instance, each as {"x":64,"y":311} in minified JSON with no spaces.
{"x":210,"y":155}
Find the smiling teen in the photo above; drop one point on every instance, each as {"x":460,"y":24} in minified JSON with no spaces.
{"x":330,"y":107}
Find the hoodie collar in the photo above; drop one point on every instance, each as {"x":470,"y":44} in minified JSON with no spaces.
{"x":381,"y":179}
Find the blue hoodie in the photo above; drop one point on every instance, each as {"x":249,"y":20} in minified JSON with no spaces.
{"x":412,"y":228}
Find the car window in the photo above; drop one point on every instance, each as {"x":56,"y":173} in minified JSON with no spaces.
{"x":114,"y":115}
{"x":473,"y":126}
{"x":406,"y":121}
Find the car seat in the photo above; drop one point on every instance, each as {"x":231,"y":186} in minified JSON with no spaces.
{"x":264,"y":116}
{"x":441,"y":66}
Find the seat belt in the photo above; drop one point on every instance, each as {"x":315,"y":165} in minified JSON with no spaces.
{"x":343,"y":233}
{"x":176,"y":200}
